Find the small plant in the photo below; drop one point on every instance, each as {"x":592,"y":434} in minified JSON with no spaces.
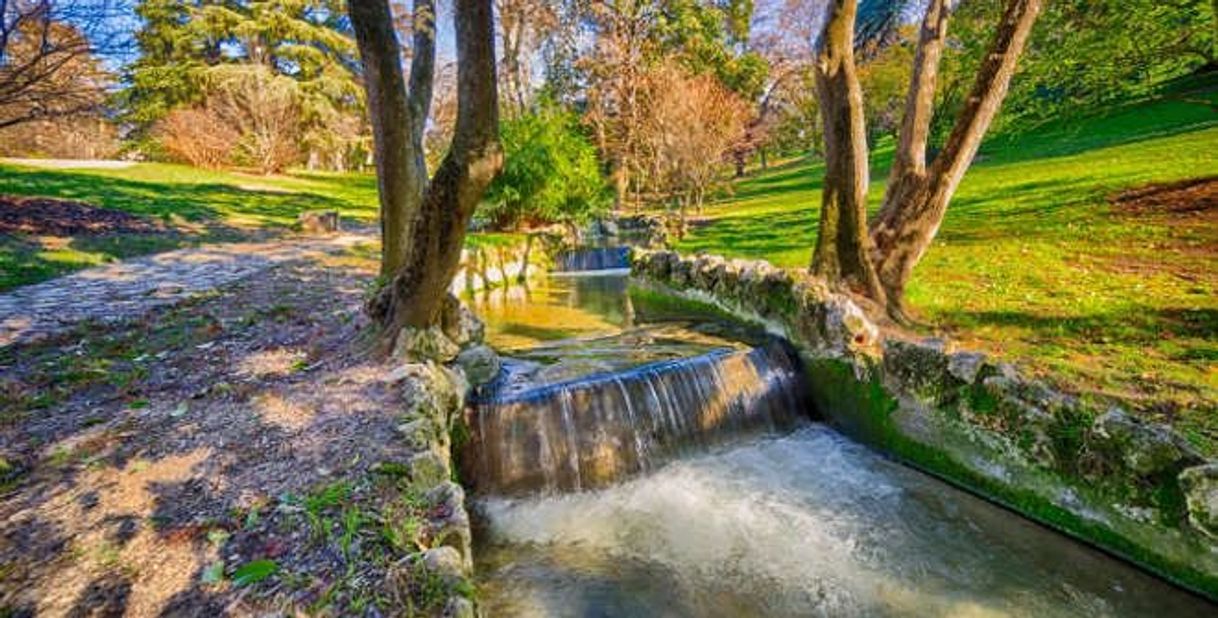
{"x":254,"y":571}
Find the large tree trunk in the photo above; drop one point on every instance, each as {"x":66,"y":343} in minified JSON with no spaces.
{"x":843,"y":246}
{"x":917,"y":197}
{"x":435,"y":237}
{"x":399,"y":116}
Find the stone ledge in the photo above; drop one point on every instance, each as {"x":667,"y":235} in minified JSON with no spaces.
{"x":1135,"y":489}
{"x":432,"y":377}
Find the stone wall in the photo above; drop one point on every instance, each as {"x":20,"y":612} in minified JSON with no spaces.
{"x":435,"y":370}
{"x":1135,"y":489}
{"x":487,"y":267}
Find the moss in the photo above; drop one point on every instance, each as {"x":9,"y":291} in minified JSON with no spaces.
{"x":658,"y":305}
{"x":864,"y":410}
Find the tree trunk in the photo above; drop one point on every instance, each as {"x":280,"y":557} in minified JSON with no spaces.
{"x":765,"y":164}
{"x":436,"y":235}
{"x":399,"y":116}
{"x":842,"y":245}
{"x":917,"y":201}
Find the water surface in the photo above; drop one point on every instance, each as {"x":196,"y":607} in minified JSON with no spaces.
{"x":808,"y":524}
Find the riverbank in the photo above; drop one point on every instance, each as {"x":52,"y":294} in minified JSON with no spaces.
{"x":1136,"y":489}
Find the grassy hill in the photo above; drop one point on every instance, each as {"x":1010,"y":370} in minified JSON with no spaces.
{"x":1038,"y":261}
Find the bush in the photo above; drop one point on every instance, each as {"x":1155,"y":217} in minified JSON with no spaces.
{"x":198,"y":137}
{"x":551,"y":173}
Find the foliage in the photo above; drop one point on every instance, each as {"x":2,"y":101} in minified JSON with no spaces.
{"x":551,"y":172}
{"x":1083,"y":55}
{"x":188,"y":48}
{"x":79,"y":136}
{"x":690,"y":122}
{"x":48,"y":65}
{"x":196,"y":136}
{"x":254,"y":571}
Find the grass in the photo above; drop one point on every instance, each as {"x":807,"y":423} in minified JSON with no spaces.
{"x":1033,"y":262}
{"x":198,"y":205}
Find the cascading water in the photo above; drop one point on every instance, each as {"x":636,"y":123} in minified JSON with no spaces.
{"x":805,"y":523}
{"x":592,"y":258}
{"x":592,"y":431}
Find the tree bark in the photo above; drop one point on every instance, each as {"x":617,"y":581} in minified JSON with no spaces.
{"x":435,"y":236}
{"x":399,"y":116}
{"x":843,"y":246}
{"x":917,"y":197}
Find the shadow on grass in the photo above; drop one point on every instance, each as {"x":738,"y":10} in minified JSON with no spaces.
{"x":1134,"y":324}
{"x":165,"y":200}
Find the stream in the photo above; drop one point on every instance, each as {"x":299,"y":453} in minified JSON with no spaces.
{"x":782,"y":519}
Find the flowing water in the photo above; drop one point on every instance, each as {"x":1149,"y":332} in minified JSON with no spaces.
{"x":784,"y":518}
{"x":592,"y":259}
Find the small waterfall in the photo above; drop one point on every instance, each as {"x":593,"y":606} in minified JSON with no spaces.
{"x":589,"y":432}
{"x":592,"y":258}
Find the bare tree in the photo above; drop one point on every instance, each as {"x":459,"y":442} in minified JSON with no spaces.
{"x":522,"y":25}
{"x":429,"y":231}
{"x":48,"y":62}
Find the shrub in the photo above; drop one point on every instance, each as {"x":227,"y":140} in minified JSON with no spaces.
{"x":198,"y":137}
{"x":551,"y":172}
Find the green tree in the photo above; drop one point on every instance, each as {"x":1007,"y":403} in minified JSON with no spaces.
{"x":182,"y":43}
{"x":551,"y":174}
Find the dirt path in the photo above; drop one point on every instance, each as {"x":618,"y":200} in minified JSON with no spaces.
{"x":131,"y":288}
{"x":232,"y":425}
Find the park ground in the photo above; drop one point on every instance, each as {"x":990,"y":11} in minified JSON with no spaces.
{"x":1083,"y":251}
{"x":1086,"y":251}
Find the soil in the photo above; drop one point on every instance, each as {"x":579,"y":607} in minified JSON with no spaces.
{"x":1194,"y":197}
{"x":53,"y":217}
{"x":142,"y":466}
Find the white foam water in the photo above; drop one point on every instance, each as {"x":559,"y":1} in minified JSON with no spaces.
{"x":807,"y":524}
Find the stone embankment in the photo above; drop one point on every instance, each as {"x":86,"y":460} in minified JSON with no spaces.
{"x":1134,"y":488}
{"x":436,"y":368}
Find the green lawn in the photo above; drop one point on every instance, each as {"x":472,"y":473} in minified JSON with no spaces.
{"x":1035,"y":264}
{"x":199,"y":205}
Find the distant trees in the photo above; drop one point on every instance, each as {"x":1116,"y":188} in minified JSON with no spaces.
{"x":213,"y":56}
{"x":48,"y":63}
{"x":1085,"y":54}
{"x":689,"y":125}
{"x":630,"y":39}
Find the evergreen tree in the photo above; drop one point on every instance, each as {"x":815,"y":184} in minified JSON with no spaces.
{"x":186,"y":46}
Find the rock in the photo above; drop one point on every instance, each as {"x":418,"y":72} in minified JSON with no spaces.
{"x":448,"y":521}
{"x":423,"y":344}
{"x":445,"y":562}
{"x":919,"y":368}
{"x":847,"y":328}
{"x":965,"y":366}
{"x":418,"y":433}
{"x":428,"y":469}
{"x":318,"y":221}
{"x":431,"y":392}
{"x":480,"y":364}
{"x":1200,"y":485}
{"x":703,"y":272}
{"x":680,"y":274}
{"x":459,"y":607}
{"x":1146,"y":449}
{"x":460,"y":324}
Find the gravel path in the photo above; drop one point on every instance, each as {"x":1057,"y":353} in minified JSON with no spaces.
{"x":129,"y":289}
